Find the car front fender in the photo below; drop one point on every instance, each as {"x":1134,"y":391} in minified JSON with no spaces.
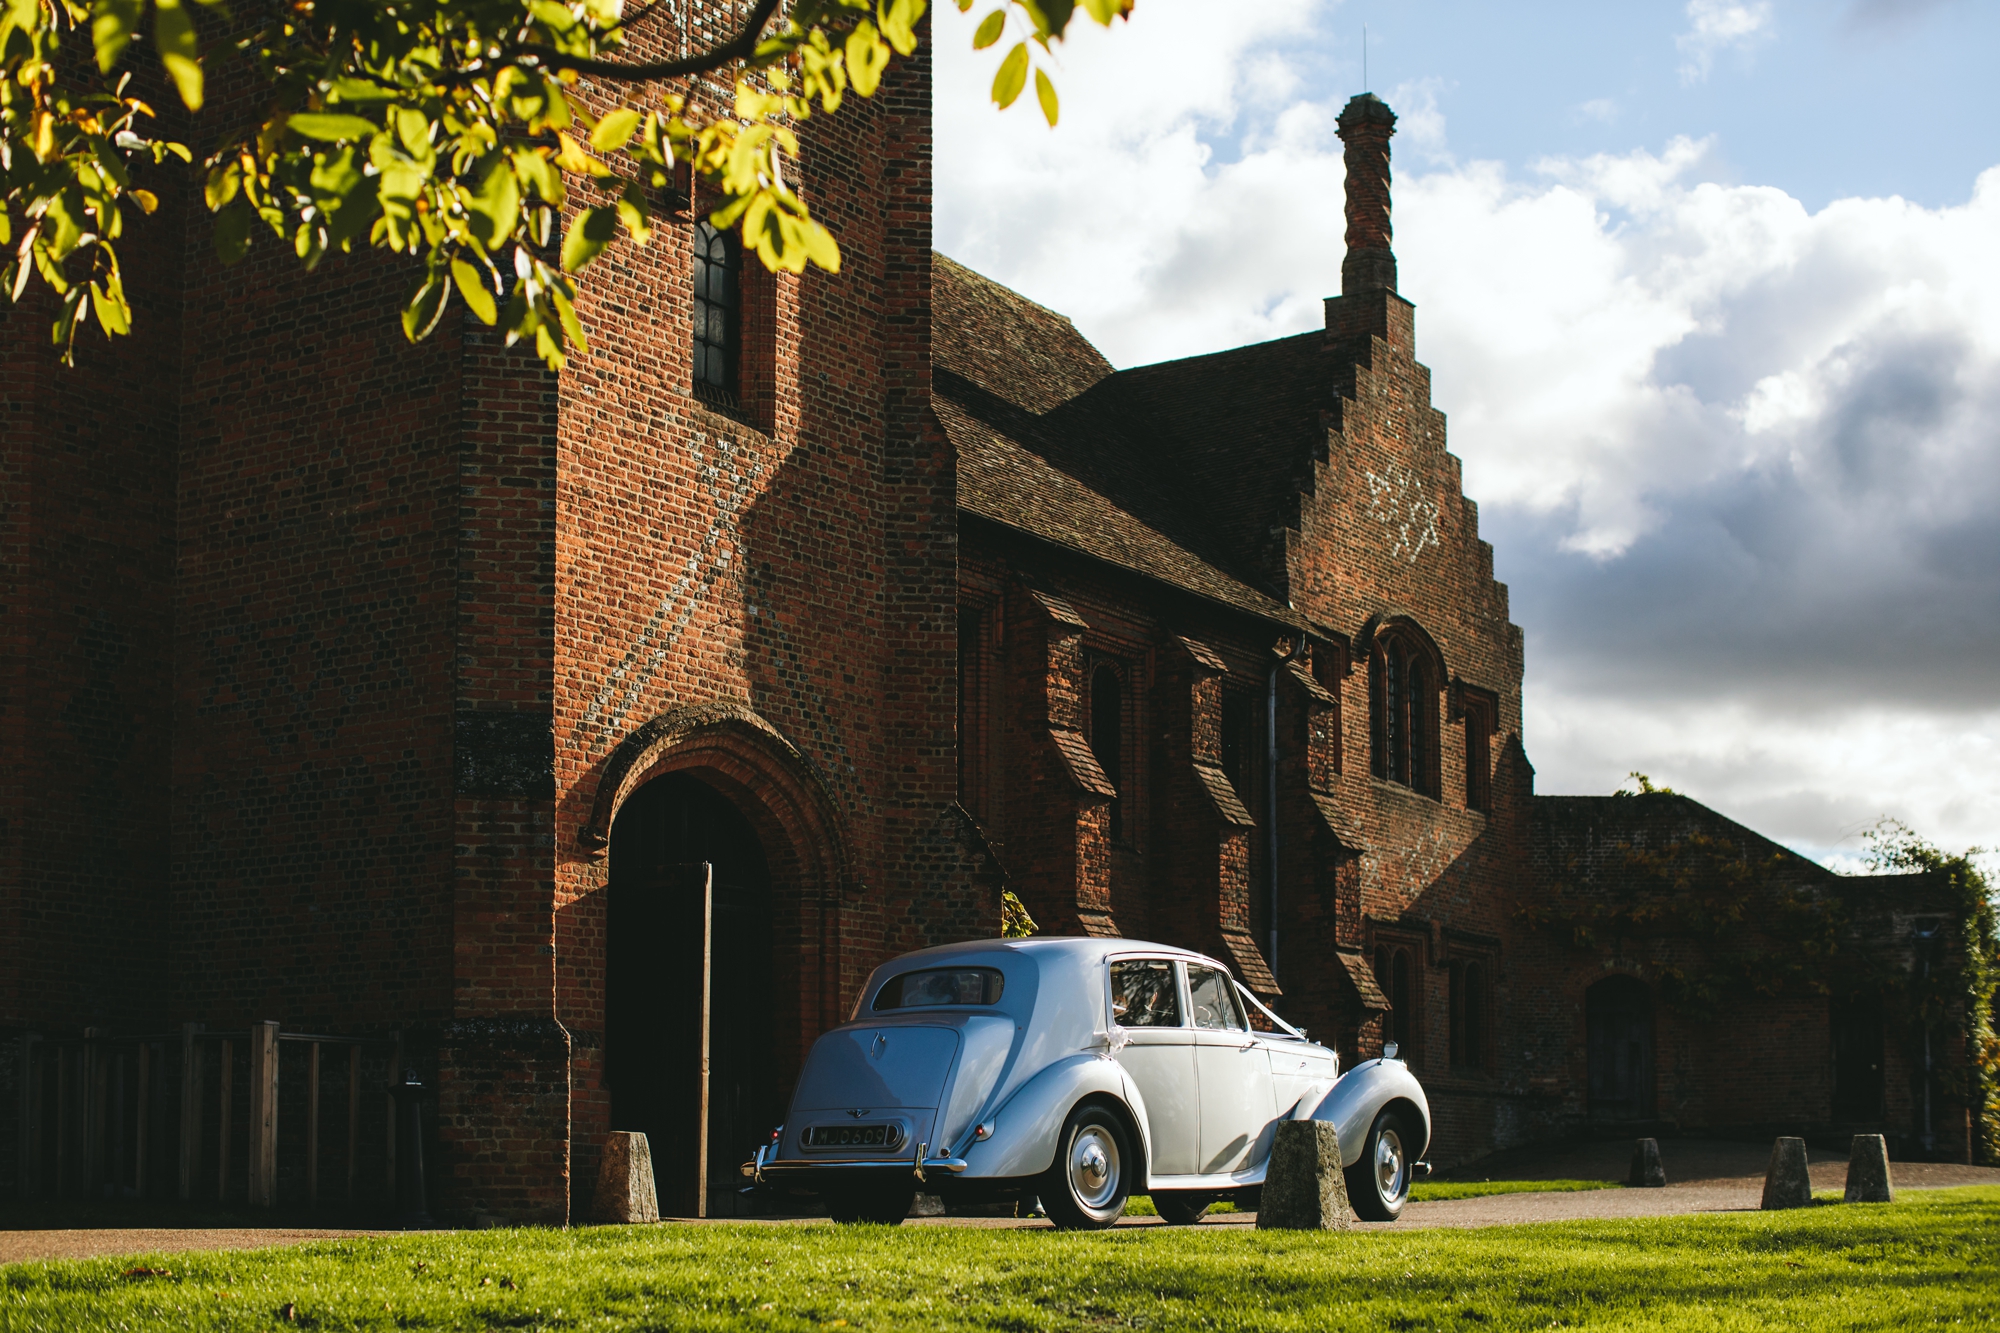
{"x":1023,"y":1142}
{"x":1359,"y":1095}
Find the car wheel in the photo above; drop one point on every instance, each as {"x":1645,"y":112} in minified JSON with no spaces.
{"x":1086,"y":1185}
{"x":1378,"y":1184}
{"x":1181,"y":1208}
{"x":887,"y":1206}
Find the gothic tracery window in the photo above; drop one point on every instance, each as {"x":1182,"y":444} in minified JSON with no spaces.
{"x":1403,"y":681}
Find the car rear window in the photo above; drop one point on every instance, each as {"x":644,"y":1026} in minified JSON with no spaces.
{"x":945,"y":985}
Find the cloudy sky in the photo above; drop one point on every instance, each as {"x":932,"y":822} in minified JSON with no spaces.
{"x":1711,"y":291}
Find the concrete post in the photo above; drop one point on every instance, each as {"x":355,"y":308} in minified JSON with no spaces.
{"x":625,"y":1187}
{"x":1647,"y":1171}
{"x":1868,"y":1171}
{"x":1787,"y":1182}
{"x":1305,"y":1189}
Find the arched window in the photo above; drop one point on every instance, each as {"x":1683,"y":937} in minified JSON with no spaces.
{"x":1107,"y":737}
{"x":1404,"y":684}
{"x":718,"y":308}
{"x":1395,"y":972}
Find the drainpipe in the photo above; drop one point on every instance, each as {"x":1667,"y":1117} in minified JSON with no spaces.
{"x":1924,"y":939}
{"x":1271,"y":788}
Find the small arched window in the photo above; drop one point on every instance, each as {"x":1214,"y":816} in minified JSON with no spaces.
{"x":1107,"y":737}
{"x":1404,"y":686}
{"x":718,"y":308}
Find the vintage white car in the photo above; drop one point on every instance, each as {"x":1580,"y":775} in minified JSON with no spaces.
{"x":1079,"y":1071}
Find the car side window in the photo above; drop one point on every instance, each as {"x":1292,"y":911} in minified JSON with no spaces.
{"x":1214,"y":1000}
{"x":1144,"y":994}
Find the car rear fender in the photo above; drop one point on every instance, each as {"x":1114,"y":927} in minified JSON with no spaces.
{"x":1360,"y":1094}
{"x":1023,"y":1142}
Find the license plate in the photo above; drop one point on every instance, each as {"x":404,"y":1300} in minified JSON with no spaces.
{"x":854,"y":1136}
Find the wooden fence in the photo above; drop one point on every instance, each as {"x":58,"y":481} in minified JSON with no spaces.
{"x":96,"y":1111}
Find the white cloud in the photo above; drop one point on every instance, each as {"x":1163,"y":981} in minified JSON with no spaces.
{"x":1715,"y":26}
{"x":1737,"y":456}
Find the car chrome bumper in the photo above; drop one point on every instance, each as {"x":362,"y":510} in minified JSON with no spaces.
{"x":767,"y":1166}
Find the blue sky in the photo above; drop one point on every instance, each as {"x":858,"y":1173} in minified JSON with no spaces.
{"x":1893,"y":97}
{"x":1711,"y":294}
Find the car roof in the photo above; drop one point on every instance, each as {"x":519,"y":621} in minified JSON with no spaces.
{"x":1081,"y":947}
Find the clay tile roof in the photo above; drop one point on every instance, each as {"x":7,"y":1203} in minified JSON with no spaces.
{"x":1005,"y":343}
{"x":1177,"y":471}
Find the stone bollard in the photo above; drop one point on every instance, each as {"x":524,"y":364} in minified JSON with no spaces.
{"x":926,"y":1205}
{"x":1305,"y":1189}
{"x":625,"y":1191}
{"x":1787,"y":1182}
{"x":1868,"y":1171}
{"x":1646,"y":1168}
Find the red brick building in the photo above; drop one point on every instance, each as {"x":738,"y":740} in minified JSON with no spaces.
{"x":377,"y":688}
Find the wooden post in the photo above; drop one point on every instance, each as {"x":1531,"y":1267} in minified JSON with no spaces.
{"x":353,"y":1112}
{"x":312,"y":1126}
{"x":142,"y":1119}
{"x":114,"y":1115}
{"x":389,"y":1110}
{"x":30,"y":1178}
{"x":65,"y":1137}
{"x":263,"y":1187}
{"x":707,"y":961}
{"x":93,"y":1112}
{"x":228,"y":1079}
{"x":190,"y":1109}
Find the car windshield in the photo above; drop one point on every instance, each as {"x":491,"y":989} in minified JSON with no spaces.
{"x":953,"y":985}
{"x":1144,"y":994}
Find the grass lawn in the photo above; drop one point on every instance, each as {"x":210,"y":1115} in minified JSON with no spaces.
{"x":1933,"y":1259}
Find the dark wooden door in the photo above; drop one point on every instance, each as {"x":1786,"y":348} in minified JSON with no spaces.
{"x":1856,"y":1032}
{"x":666,"y":835}
{"x":1619,"y":1017}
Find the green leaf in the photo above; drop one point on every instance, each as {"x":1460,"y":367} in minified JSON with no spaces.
{"x":477,"y":295}
{"x":224,"y":181}
{"x":232,"y":232}
{"x":898,"y":19}
{"x":65,"y":211}
{"x":1013,"y":75}
{"x":867,"y":56}
{"x":1051,"y":16}
{"x":1045,"y":93}
{"x":535,"y":168}
{"x":424,"y":308}
{"x":572,"y":327}
{"x":113,"y":314}
{"x":113,"y":27}
{"x":332,"y":126}
{"x":357,"y":212}
{"x":632,"y":211}
{"x":589,"y":232}
{"x":173,"y":33}
{"x":615,"y":130}
{"x":495,"y":207}
{"x":990,"y":29}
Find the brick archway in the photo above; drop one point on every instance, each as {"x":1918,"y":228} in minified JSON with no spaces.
{"x":736,"y":751}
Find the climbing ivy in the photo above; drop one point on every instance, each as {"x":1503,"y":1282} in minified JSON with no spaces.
{"x":1970,"y":985}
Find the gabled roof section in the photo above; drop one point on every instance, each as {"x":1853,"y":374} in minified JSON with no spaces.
{"x":1177,"y":471}
{"x":1006,"y":344}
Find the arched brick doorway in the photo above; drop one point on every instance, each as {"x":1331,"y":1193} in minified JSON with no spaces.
{"x":714,"y":785}
{"x":1618,"y":1016}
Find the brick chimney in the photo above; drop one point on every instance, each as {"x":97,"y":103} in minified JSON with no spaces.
{"x":1365,"y":127}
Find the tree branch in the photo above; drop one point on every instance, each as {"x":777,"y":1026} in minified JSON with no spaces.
{"x":736,"y":48}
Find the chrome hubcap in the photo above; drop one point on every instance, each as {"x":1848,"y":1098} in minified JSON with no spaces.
{"x":1389,"y":1176}
{"x":1093,"y":1167}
